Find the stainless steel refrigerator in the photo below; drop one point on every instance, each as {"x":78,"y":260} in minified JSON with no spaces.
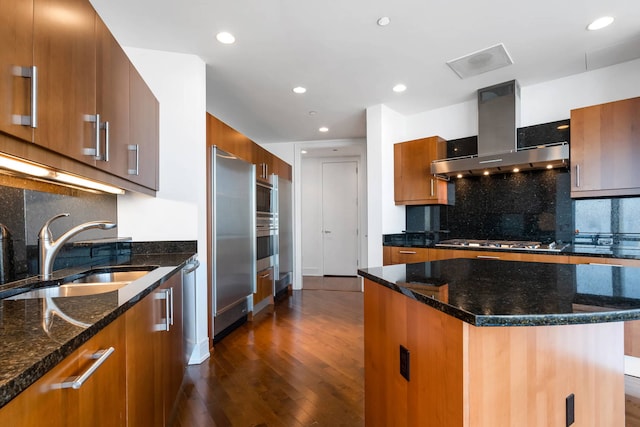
{"x":233,"y":251}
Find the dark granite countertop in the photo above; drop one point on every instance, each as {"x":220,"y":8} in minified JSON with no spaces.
{"x":28,"y":351}
{"x":513,"y":293}
{"x":618,"y":252}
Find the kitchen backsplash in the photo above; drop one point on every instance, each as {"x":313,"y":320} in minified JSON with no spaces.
{"x":24,"y":211}
{"x":533,"y":205}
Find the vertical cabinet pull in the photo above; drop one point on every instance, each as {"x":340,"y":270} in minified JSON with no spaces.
{"x":105,"y":126}
{"x":136,"y":148}
{"x":167,"y":307}
{"x":577,"y":175}
{"x":76,"y":382}
{"x":432,"y":192}
{"x":32,"y":118}
{"x":170,"y":306}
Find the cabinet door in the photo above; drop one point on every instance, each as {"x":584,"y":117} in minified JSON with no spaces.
{"x":100,"y":401}
{"x":264,"y":285}
{"x":143,"y":134}
{"x":112,"y":102}
{"x":605,"y":146}
{"x":144,"y":385}
{"x":16,"y":33}
{"x":65,"y":54}
{"x":413,"y":182}
{"x":173,"y":363}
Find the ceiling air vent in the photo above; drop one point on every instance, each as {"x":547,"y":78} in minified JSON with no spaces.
{"x":479,"y":62}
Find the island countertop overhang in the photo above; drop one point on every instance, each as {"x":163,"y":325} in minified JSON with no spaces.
{"x":508,"y":293}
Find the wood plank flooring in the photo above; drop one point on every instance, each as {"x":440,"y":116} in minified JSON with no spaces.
{"x":298,"y":364}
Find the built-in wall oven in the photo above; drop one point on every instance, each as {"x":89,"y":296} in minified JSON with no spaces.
{"x":266,"y":226}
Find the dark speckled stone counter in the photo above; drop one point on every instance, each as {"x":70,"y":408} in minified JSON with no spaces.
{"x":27,"y":351}
{"x":510,"y":293}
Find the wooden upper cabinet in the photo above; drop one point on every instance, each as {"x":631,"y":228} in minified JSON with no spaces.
{"x":16,"y":61}
{"x":233,"y":142}
{"x":413,"y":182}
{"x":65,"y":56}
{"x":229,"y":139}
{"x":605,"y":149}
{"x":142,"y":164}
{"x":112,"y":98}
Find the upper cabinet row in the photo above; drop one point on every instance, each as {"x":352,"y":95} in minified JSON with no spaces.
{"x":605,"y":150}
{"x":604,"y":153}
{"x":69,"y":87}
{"x":233,"y":142}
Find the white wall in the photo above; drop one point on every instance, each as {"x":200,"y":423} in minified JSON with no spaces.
{"x":540,"y":103}
{"x":178,"y":212}
{"x":384,"y":127}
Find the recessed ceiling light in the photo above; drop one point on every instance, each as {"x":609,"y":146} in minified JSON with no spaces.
{"x":313,"y":113}
{"x":459,"y":175}
{"x":384,"y":21}
{"x":399,"y":88}
{"x":516,"y":170}
{"x":600,"y":23}
{"x":486,"y":173}
{"x":299,"y":89}
{"x":225,"y":37}
{"x":549,"y":166}
{"x":303,"y":152}
{"x":324,"y":129}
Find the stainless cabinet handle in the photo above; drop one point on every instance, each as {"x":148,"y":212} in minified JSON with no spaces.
{"x":264,"y":276}
{"x":167,"y":307}
{"x":136,"y":148}
{"x":577,"y":175}
{"x":408,"y":252}
{"x":97,"y":155}
{"x":487,"y":257}
{"x":76,"y":382}
{"x":171,"y":306}
{"x":190,"y":268}
{"x":432,"y":193}
{"x":105,"y":126}
{"x":32,"y":118}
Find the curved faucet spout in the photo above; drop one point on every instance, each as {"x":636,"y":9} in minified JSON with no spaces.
{"x":49,"y":248}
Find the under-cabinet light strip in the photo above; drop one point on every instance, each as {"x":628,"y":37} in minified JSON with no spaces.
{"x":43,"y":172}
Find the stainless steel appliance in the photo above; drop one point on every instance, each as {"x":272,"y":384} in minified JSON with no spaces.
{"x":189,"y":307}
{"x":285,"y":236}
{"x":233,"y":240}
{"x":267,"y":226}
{"x":503,"y":244}
{"x":498,"y":151}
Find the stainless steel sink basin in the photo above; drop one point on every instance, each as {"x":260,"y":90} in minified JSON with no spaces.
{"x":102,"y":277}
{"x":97,"y":281}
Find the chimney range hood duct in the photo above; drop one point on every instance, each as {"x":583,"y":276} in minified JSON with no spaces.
{"x":498,"y":121}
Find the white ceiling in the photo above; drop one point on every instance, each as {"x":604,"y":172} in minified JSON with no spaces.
{"x":348,"y":63}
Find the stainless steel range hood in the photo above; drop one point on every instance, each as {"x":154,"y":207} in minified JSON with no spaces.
{"x":498,"y":121}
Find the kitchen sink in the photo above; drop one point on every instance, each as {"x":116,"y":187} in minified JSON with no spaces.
{"x":96,"y":281}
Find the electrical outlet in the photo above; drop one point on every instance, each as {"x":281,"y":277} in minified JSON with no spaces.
{"x":405,"y":362}
{"x":570,"y":406}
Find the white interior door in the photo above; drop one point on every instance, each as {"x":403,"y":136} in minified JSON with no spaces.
{"x":340,"y":218}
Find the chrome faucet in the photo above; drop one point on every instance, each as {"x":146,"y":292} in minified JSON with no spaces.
{"x":49,"y":248}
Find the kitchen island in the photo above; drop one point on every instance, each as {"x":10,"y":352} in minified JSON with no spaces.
{"x":470,"y":342}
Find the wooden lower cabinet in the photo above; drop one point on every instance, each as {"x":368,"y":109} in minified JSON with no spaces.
{"x":100,"y":401}
{"x":461,"y":375}
{"x":155,"y":358}
{"x":264,"y":285}
{"x":405,"y":255}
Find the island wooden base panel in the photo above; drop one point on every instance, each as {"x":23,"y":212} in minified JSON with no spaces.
{"x":461,"y":375}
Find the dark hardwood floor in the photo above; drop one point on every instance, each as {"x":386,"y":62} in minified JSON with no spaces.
{"x":298,"y":364}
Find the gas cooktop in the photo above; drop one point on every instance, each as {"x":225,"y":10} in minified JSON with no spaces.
{"x":503,"y":244}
